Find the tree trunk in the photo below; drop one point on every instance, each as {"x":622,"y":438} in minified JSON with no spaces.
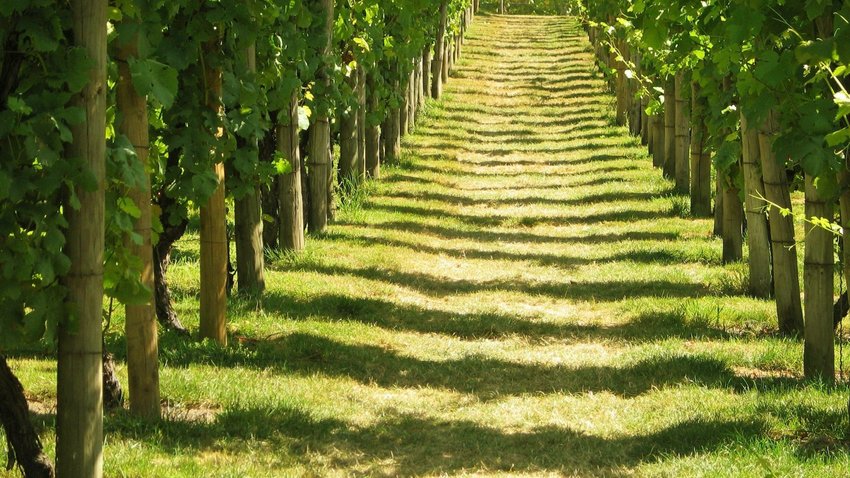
{"x":700,"y":158}
{"x":758,"y":238}
{"x":670,"y":129}
{"x":79,"y":417}
{"x":733,"y":221}
{"x":162,"y":257}
{"x":214,"y":250}
{"x":439,"y":46}
{"x":502,"y":7}
{"x":682,"y":127}
{"x":291,"y":205}
{"x":373,"y":132}
{"x":786,"y":278}
{"x":23,"y":443}
{"x":113,"y":395}
{"x":819,"y":349}
{"x":140,"y":323}
{"x":248,"y":218}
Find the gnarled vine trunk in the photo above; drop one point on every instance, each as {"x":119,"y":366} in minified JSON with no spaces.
{"x":23,"y":444}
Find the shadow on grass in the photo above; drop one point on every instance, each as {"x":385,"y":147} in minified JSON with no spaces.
{"x":308,"y":354}
{"x":446,"y":232}
{"x":451,"y":199}
{"x":604,"y":291}
{"x":499,"y":220}
{"x":407,"y":445}
{"x":563,"y":261}
{"x":390,"y":315}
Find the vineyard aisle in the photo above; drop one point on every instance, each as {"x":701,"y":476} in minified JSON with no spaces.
{"x":523,"y":294}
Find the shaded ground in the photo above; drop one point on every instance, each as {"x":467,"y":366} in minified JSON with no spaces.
{"x":523,"y":295}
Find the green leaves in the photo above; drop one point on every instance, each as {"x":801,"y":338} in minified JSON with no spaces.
{"x":154,"y":79}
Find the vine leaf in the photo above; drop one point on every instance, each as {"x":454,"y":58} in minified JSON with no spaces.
{"x":155,"y":79}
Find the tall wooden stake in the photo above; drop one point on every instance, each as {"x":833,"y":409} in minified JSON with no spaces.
{"x":79,"y":411}
{"x":213,"y":229}
{"x":140,"y":326}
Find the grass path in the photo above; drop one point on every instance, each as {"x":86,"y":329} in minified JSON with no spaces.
{"x":523,"y":295}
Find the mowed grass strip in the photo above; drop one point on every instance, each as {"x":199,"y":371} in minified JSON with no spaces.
{"x":522,"y":295}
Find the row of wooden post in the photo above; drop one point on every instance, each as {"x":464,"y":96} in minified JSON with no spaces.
{"x":677,"y":141}
{"x":80,"y":389}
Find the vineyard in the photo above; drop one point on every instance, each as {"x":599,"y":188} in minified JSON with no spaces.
{"x":424,"y":237}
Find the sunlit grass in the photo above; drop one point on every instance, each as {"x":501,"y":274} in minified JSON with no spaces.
{"x":522,"y":295}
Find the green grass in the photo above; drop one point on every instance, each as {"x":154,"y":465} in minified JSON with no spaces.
{"x":521,"y":295}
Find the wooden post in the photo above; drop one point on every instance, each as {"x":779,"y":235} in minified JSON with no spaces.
{"x":844,"y":205}
{"x":140,"y":327}
{"x":348,"y":138}
{"x":670,"y":129}
{"x":361,"y":124}
{"x":700,"y":157}
{"x":412,"y":102}
{"x":291,"y":201}
{"x":373,"y":132}
{"x":733,"y":221}
{"x":658,"y":159}
{"x":757,"y":228}
{"x":213,"y":228}
{"x":319,"y":159}
{"x":426,"y":73}
{"x":718,"y":205}
{"x":439,"y":55}
{"x":404,"y":106}
{"x":248,"y":219}
{"x":79,"y":411}
{"x":620,"y":88}
{"x":819,"y":348}
{"x":444,"y":72}
{"x":786,"y":276}
{"x":682,"y":132}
